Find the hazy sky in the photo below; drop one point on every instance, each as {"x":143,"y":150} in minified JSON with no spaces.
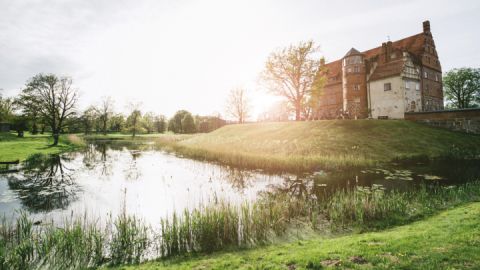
{"x":184,"y":54}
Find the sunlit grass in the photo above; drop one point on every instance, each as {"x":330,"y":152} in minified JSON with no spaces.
{"x":333,"y":144}
{"x":15,"y":148}
{"x":448,"y":240}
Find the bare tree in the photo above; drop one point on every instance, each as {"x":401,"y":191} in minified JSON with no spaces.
{"x":56,"y":100}
{"x":238,"y":105}
{"x":105,"y":111}
{"x":291,"y":73}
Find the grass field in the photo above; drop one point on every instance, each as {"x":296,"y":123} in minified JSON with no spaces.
{"x":449,"y":240}
{"x":14,"y":148}
{"x":308,"y":146}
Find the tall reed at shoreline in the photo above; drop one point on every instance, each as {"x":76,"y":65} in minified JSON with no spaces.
{"x":126,"y":239}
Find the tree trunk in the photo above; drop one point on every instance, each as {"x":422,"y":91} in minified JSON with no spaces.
{"x":297,"y":113}
{"x":105,"y":128}
{"x":55,"y":138}
{"x":34,"y":128}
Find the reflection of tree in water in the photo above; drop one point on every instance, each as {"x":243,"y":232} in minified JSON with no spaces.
{"x":295,"y":186}
{"x":303,"y":187}
{"x":95,"y":155}
{"x":131,"y":171}
{"x":239,"y":179}
{"x":44,"y":184}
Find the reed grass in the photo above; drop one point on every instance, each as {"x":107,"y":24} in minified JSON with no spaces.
{"x":376,"y":207}
{"x":217,"y":225}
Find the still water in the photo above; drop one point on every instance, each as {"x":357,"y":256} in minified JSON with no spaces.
{"x":109,"y":176}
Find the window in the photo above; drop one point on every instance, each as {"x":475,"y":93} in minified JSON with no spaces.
{"x":393,"y":56}
{"x":387,"y":87}
{"x":425,"y":74}
{"x":407,"y":85}
{"x":356,"y":69}
{"x":436,"y":77}
{"x":417,"y":86}
{"x":356,"y":87}
{"x":349,"y":70}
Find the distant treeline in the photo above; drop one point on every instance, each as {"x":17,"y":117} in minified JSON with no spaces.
{"x":48,"y":104}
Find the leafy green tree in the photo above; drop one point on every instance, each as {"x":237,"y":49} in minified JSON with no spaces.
{"x":30,"y":108}
{"x":7,"y":106}
{"x":88,"y":119}
{"x":291,"y":73}
{"x":135,"y":118}
{"x":160,"y":123}
{"x":117,"y":123}
{"x":208,"y":123}
{"x":171,"y":125}
{"x":188,"y":124}
{"x":133,"y":122}
{"x":20,"y":124}
{"x":149,"y":122}
{"x":462,"y":87}
{"x":176,"y":122}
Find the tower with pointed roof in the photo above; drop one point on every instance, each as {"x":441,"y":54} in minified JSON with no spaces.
{"x":353,"y":84}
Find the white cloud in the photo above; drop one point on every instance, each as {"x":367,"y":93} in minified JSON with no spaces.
{"x":188,"y":54}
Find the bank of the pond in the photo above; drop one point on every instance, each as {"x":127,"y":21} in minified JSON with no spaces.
{"x":82,"y":243}
{"x":449,"y":240}
{"x":330,"y":144}
{"x":15,"y":148}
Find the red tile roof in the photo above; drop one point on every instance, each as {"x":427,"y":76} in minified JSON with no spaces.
{"x":334,"y":68}
{"x":388,"y":69}
{"x":413,"y":44}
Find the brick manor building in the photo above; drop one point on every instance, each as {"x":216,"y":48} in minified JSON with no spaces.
{"x":384,"y":82}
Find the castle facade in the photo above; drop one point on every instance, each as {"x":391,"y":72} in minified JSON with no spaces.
{"x":384,"y":82}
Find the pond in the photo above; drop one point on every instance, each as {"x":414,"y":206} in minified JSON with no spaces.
{"x":138,"y":176}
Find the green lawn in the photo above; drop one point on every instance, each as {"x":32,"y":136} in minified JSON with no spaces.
{"x":449,"y":240}
{"x":307,"y":146}
{"x":14,"y":148}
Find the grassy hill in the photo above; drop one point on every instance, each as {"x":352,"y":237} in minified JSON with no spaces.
{"x":450,"y":240}
{"x":307,"y":146}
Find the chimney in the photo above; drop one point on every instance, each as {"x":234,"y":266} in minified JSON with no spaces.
{"x":384,"y":47}
{"x":387,"y":48}
{"x":322,"y":61}
{"x":426,"y":26}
